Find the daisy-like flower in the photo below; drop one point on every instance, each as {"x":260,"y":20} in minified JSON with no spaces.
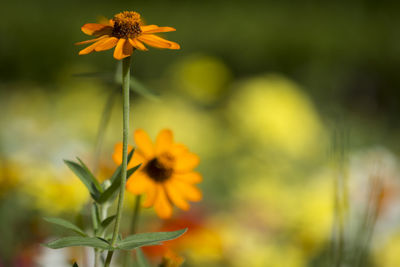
{"x":166,"y":175}
{"x":125,"y":32}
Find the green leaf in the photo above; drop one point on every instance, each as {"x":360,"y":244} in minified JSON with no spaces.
{"x":110,"y":191}
{"x":147,"y":239}
{"x":117,"y":172}
{"x":86,"y":178}
{"x":107,"y":221}
{"x":141,"y":89}
{"x":66,"y":224}
{"x":95,"y":216}
{"x":89,"y":173}
{"x":79,"y":241}
{"x":141,"y":259}
{"x":75,"y":265}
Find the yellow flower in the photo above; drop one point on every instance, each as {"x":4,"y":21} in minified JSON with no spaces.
{"x":166,"y":175}
{"x":127,"y":32}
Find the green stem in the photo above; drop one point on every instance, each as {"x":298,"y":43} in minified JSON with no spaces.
{"x":133,"y":228}
{"x":126,"y":62}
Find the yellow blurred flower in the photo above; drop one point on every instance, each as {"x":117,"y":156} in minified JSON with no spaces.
{"x":53,"y":193}
{"x":273,"y":111}
{"x":127,"y":32}
{"x":204,"y":78}
{"x":166,"y":175}
{"x":388,"y":255}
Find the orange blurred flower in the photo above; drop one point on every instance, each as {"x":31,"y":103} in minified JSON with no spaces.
{"x":127,"y":32}
{"x":171,"y":259}
{"x":166,"y":175}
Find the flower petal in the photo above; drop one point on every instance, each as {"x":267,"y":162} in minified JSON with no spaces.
{"x":155,"y":29}
{"x":124,"y":49}
{"x":162,"y":205}
{"x":107,"y":44}
{"x":90,"y":48}
{"x":91,"y":40}
{"x":175,"y":196}
{"x":96,"y":29}
{"x":190,"y":177}
{"x":144,"y":143}
{"x":156,"y":41}
{"x":186,"y":162}
{"x":164,"y":141}
{"x":137,"y":44}
{"x":138,"y":183}
{"x":189,"y":191}
{"x":151,"y":194}
{"x":136,"y":159}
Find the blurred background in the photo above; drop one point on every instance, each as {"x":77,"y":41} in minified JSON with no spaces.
{"x":293,"y":107}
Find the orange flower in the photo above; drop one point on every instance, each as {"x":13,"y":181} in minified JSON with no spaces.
{"x":127,"y":32}
{"x":171,"y":259}
{"x":166,"y":175}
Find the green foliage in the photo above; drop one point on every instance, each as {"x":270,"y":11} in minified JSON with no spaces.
{"x":111,"y":191}
{"x":75,"y":265}
{"x":106,"y":222}
{"x":66,"y":224}
{"x":77,"y":241}
{"x":147,"y":239}
{"x":87,"y":178}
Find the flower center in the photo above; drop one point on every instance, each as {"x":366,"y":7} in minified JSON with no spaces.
{"x":157,"y":170}
{"x":126,"y":25}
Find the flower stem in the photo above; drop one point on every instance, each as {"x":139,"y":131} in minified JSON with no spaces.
{"x":126,"y":63}
{"x":135,"y":216}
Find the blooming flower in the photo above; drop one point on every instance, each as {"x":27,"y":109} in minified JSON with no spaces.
{"x":127,"y":32}
{"x":166,"y":175}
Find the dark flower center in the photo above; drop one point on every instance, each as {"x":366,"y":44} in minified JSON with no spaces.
{"x":126,"y":25}
{"x":157,"y":171}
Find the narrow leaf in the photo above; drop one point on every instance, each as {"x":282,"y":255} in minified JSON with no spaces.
{"x":146,"y":239}
{"x":66,"y":224}
{"x":141,"y":259}
{"x":110,"y":192}
{"x":90,"y":174}
{"x":117,"y":172}
{"x":78,"y":241}
{"x":106,"y":222}
{"x":84,"y":177}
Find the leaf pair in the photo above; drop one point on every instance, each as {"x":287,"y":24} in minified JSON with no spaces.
{"x":129,"y":243}
{"x":97,"y":190}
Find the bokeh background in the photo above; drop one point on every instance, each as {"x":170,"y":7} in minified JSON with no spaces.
{"x":293,"y":107}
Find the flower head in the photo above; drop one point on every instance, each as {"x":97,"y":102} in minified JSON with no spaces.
{"x":166,"y":175}
{"x":126,"y":32}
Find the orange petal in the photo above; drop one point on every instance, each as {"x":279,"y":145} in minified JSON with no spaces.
{"x":151,"y":194}
{"x":178,"y":149}
{"x":90,"y":48}
{"x":91,"y":40}
{"x":155,"y":41}
{"x":138,"y":183}
{"x":190,"y":177}
{"x":107,"y":44}
{"x":124,"y":49}
{"x":96,"y":29}
{"x":155,"y":29}
{"x":117,"y":155}
{"x":186,"y":162}
{"x":176,"y":196}
{"x":189,"y":191}
{"x":137,"y":44}
{"x":144,"y":143}
{"x":164,"y":141}
{"x":162,"y":205}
